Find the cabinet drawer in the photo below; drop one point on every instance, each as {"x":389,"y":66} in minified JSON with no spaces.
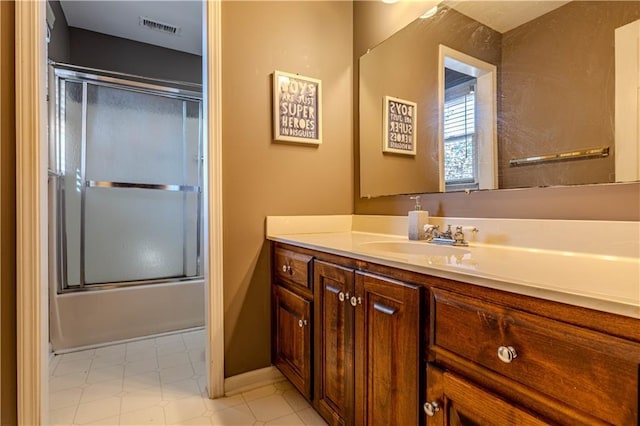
{"x":595,"y":373}
{"x":292,"y":267}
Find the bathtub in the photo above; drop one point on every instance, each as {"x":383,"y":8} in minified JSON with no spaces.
{"x":92,"y":318}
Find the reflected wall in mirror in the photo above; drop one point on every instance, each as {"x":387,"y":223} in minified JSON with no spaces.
{"x":565,"y":83}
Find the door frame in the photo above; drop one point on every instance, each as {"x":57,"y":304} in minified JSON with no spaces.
{"x":31,"y":208}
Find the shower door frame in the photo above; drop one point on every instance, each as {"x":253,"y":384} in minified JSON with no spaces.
{"x":31,"y":205}
{"x":63,"y":73}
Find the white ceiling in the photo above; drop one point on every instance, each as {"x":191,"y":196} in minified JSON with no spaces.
{"x":503,"y":16}
{"x":121,"y":19}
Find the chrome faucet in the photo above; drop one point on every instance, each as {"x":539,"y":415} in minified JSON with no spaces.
{"x":433,"y":235}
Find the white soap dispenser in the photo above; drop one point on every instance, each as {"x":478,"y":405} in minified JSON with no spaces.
{"x":418,"y":218}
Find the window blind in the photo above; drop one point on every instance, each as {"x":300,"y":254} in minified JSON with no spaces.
{"x":459,"y":135}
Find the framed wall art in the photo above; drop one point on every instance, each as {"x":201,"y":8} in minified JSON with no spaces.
{"x":399,"y":126}
{"x":297,"y":108}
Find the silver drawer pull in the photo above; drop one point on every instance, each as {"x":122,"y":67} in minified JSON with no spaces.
{"x":341,"y":296}
{"x":384,"y":309}
{"x":302,"y":323}
{"x":507,"y":354}
{"x":286,"y":268}
{"x":430,"y":408}
{"x":355,"y":301}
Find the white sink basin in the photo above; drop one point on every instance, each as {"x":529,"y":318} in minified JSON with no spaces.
{"x":419,"y":248}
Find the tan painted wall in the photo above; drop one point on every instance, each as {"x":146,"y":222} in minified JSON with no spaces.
{"x":263,"y":178}
{"x":374,"y":22}
{"x":7,"y":218}
{"x":579,"y":71}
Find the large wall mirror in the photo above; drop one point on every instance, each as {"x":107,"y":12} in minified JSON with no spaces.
{"x":507,"y":94}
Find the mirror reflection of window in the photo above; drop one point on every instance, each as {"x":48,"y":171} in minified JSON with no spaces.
{"x":460,"y":142}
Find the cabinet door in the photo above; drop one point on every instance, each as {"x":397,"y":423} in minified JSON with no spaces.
{"x":456,"y":402}
{"x":292,"y":338}
{"x":387,"y":357}
{"x":333,"y":342}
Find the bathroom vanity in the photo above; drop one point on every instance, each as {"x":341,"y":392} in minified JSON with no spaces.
{"x":374,"y":329}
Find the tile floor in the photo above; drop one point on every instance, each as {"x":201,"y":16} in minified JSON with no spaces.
{"x":161,"y":381}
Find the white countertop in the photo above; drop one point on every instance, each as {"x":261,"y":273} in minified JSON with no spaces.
{"x":609,"y":283}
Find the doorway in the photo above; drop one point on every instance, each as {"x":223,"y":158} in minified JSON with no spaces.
{"x":467,"y":102}
{"x":32,"y":282}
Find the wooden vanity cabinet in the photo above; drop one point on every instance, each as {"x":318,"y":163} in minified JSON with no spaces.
{"x":367,"y":348}
{"x":453,"y":401}
{"x":528,"y":363}
{"x":291,"y":317}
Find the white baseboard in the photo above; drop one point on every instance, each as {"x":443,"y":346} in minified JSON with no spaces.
{"x":251,"y":380}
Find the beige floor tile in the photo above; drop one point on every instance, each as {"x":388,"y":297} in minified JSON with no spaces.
{"x":310,"y":417}
{"x":91,"y":412}
{"x":147,"y":416}
{"x":138,"y":400}
{"x":214,"y":405}
{"x":67,"y":381}
{"x":62,"y":416}
{"x":171,"y":360}
{"x":65,"y":398}
{"x":290,"y":420}
{"x":138,"y":391}
{"x":101,"y":390}
{"x":140,"y":345}
{"x":239,"y":415}
{"x":169,"y":339}
{"x":270,"y":408}
{"x":111,"y":421}
{"x":295,"y":400}
{"x":180,"y":410}
{"x":107,"y":361}
{"x":177,"y":373}
{"x":146,"y":365}
{"x":105,"y":374}
{"x":198,"y":421}
{"x":259,"y":393}
{"x":179,"y":390}
{"x":141,"y":381}
{"x":141,"y":354}
{"x":81,"y":365}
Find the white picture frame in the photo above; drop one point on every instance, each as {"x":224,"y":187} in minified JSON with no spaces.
{"x":297,"y":108}
{"x":399,"y":126}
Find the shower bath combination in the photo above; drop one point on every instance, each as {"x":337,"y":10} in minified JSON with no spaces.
{"x":125,"y":210}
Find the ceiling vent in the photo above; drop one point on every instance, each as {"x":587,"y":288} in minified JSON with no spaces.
{"x":159,"y":26}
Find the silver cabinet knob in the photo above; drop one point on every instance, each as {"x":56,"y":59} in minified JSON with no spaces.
{"x":286,"y":268}
{"x":356,"y":301}
{"x":302,"y":323}
{"x":341,"y":296}
{"x":507,"y":354}
{"x":430,"y":408}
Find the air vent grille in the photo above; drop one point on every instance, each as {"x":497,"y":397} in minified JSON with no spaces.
{"x":163,"y":27}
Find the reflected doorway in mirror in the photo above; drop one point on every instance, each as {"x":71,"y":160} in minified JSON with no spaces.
{"x":485,"y":132}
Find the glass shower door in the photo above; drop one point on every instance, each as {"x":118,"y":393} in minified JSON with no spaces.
{"x":131,"y":198}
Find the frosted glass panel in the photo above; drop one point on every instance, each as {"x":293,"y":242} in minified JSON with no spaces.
{"x":70,"y":134}
{"x":134,"y":234}
{"x":134,"y":137}
{"x":192,"y":142}
{"x":113,"y":235}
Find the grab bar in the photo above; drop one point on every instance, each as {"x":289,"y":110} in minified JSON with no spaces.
{"x":571,"y":155}
{"x":161,"y":187}
{"x":54,"y":173}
